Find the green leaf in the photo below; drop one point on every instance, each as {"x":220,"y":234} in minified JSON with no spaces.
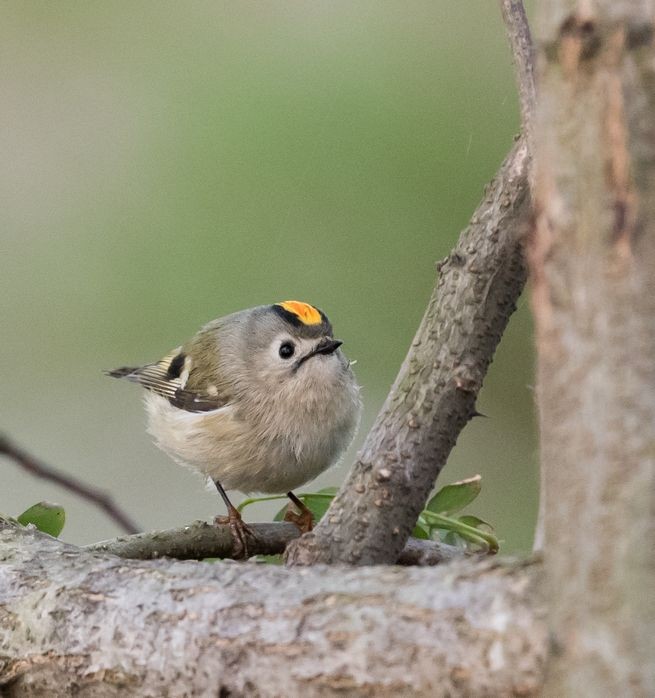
{"x":48,"y":518}
{"x":280,"y":515}
{"x":271,"y":559}
{"x":470,"y":534}
{"x":253,"y":500}
{"x":426,"y":525}
{"x":317,"y":503}
{"x":420,"y":532}
{"x":326,"y":493}
{"x":452,"y":498}
{"x":476,"y":522}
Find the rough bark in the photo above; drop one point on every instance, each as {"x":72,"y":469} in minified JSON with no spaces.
{"x":201,"y":540}
{"x":593,"y":268}
{"x":520,"y":41}
{"x":91,"y":624}
{"x":434,"y":394}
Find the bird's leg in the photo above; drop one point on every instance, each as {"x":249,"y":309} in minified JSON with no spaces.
{"x":238,"y":528}
{"x":304,"y":520}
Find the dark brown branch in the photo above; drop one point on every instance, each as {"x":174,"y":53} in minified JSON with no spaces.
{"x":200,"y":540}
{"x":97,"y":497}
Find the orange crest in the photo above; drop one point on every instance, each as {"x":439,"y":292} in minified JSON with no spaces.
{"x":307,"y":314}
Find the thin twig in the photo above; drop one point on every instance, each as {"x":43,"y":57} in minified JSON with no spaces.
{"x":520,"y":40}
{"x":47,"y":472}
{"x":201,"y":540}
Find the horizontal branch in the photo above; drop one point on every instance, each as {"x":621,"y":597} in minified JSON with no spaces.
{"x":72,"y":620}
{"x":200,"y":540}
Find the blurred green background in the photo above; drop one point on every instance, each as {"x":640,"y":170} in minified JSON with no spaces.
{"x":165,"y":163}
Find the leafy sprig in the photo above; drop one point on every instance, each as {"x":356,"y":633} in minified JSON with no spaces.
{"x":436,"y":521}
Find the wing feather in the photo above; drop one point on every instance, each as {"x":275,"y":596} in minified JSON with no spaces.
{"x":167,"y":377}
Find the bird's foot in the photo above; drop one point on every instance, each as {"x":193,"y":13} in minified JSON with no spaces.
{"x":303,"y":519}
{"x":240,"y":532}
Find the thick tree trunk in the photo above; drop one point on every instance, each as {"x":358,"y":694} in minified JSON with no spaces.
{"x":593,"y":269}
{"x":91,"y":624}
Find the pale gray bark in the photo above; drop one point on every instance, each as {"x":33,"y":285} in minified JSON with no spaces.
{"x":593,"y":269}
{"x":91,"y":624}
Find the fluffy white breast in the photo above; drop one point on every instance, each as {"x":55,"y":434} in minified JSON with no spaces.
{"x":272,"y":449}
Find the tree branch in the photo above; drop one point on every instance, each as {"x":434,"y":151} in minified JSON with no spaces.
{"x":434,"y":394}
{"x":99,"y":625}
{"x":523,"y":56}
{"x":201,"y":540}
{"x":97,"y":497}
{"x":520,"y":41}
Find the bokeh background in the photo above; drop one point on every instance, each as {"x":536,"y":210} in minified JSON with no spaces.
{"x":165,"y":163}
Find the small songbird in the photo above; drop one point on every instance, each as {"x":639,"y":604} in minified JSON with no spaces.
{"x":262,"y":400}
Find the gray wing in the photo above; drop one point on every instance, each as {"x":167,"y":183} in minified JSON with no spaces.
{"x":167,"y":377}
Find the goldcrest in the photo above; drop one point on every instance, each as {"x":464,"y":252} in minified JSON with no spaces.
{"x":262,"y":400}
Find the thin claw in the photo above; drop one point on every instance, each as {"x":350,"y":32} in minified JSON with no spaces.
{"x":239,"y":530}
{"x":304,"y":520}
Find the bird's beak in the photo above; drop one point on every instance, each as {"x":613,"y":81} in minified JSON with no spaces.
{"x":327,"y":346}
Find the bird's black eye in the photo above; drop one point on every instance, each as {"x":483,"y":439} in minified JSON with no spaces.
{"x":287,"y":350}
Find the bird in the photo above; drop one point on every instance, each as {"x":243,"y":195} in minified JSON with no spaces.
{"x":260,"y":400}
